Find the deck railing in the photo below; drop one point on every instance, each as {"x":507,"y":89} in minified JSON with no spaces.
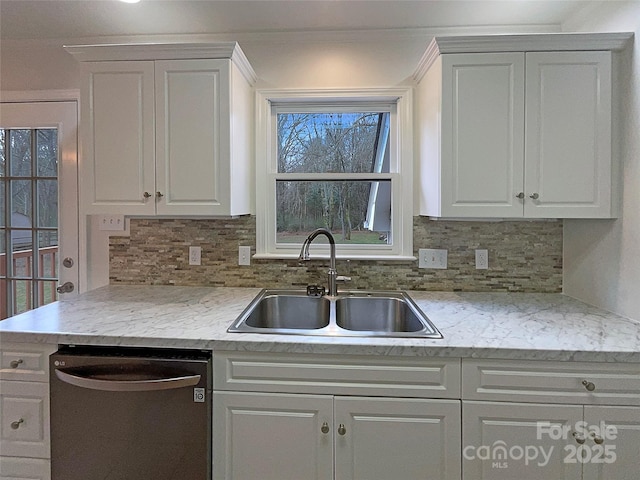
{"x":22,"y":268}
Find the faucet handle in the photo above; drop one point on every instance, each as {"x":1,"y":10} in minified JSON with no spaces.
{"x":343,"y":279}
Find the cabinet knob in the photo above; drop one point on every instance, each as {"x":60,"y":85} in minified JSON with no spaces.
{"x":16,"y":363}
{"x":520,"y":195}
{"x":159,"y":195}
{"x":146,"y":195}
{"x":599,"y":440}
{"x":534,"y":196}
{"x":341,"y":429}
{"x":325,"y":428}
{"x":589,"y":385}
{"x":16,"y":425}
{"x":579,"y":438}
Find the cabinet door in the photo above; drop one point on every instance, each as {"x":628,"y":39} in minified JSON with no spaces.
{"x":568,"y":138}
{"x":482,"y":134}
{"x":615,"y":458}
{"x":24,"y":419}
{"x":262,"y":436}
{"x":192,"y":137}
{"x":506,"y":441}
{"x":385,"y":438}
{"x":19,"y":468}
{"x":118,"y":138}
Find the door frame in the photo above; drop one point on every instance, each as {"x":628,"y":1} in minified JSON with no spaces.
{"x":68,"y":96}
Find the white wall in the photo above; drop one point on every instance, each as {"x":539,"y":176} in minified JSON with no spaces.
{"x":602,"y":258}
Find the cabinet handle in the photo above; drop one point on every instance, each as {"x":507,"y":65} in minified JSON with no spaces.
{"x":16,"y":425}
{"x":520,"y":195}
{"x":325,"y":428}
{"x":579,"y":438}
{"x":146,"y":195}
{"x":589,"y":385}
{"x":534,"y":196}
{"x":599,"y":440}
{"x":159,"y":195}
{"x":16,"y":363}
{"x":341,"y":429}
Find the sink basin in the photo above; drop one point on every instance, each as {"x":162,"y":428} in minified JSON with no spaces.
{"x":289,"y":311}
{"x":355,"y":313}
{"x":377,"y":314}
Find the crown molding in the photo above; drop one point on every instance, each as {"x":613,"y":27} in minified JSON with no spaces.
{"x":537,"y":42}
{"x":164,"y":51}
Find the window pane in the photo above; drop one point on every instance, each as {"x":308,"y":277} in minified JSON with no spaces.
{"x":20,"y":153}
{"x":356,"y":212}
{"x":3,"y":245}
{"x":47,"y":153}
{"x":331,"y":142}
{"x":47,"y":203}
{"x":46,"y":292}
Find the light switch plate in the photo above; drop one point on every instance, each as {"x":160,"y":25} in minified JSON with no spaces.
{"x":113,"y":223}
{"x":432,"y":258}
{"x":195,"y":255}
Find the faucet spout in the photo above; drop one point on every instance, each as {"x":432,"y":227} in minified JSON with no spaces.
{"x":304,"y":256}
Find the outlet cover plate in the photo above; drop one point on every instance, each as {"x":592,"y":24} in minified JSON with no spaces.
{"x":432,"y":258}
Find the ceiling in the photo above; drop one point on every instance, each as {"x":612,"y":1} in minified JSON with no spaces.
{"x":72,"y":19}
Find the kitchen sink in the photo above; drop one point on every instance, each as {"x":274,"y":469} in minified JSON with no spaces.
{"x":352,"y":313}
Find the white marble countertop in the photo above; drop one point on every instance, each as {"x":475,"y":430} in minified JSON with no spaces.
{"x":478,"y":325}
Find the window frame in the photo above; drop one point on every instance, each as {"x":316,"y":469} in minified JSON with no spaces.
{"x":399,"y":102}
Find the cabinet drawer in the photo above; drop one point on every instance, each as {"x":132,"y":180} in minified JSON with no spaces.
{"x":339,"y":375}
{"x":24,"y":419}
{"x":14,"y":468}
{"x":28,"y":362}
{"x":553,"y":382}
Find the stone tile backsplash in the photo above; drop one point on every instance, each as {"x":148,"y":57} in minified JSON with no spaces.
{"x":524,"y":256}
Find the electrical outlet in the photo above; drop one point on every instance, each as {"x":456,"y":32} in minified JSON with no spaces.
{"x":482,"y":259}
{"x":195,"y":255}
{"x":244,"y":255}
{"x":432,"y":258}
{"x":113,"y":223}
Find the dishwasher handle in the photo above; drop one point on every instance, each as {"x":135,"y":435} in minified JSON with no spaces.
{"x":141,"y":384}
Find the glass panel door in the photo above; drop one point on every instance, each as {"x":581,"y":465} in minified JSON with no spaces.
{"x":30,"y":237}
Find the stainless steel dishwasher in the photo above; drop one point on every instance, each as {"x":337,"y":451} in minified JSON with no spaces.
{"x":130,"y":414}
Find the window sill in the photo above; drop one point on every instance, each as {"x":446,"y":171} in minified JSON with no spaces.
{"x":385,"y":258}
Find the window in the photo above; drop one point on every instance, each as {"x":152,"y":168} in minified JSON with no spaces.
{"x":338,"y":160}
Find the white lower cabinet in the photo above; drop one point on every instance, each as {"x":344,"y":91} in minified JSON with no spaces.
{"x":313,"y":417}
{"x":584,"y":423}
{"x":24,"y":411}
{"x":282,"y":436}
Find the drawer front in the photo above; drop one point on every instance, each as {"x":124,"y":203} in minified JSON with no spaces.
{"x":553,"y":382}
{"x":28,"y":362}
{"x":24,"y":419}
{"x":346,"y":375}
{"x":15,"y":468}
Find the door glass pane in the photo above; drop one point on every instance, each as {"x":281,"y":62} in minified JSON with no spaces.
{"x":48,"y":253}
{"x":22,"y":298}
{"x":46,"y":292}
{"x":21,"y":203}
{"x":47,"y":147}
{"x":20,"y":153}
{"x":47,"y":203}
{"x":3,"y":161}
{"x":3,"y":201}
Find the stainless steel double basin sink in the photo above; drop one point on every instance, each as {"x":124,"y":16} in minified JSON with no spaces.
{"x":352,"y":313}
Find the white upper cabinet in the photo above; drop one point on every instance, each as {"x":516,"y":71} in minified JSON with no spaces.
{"x":511,"y":126}
{"x":166,"y":129}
